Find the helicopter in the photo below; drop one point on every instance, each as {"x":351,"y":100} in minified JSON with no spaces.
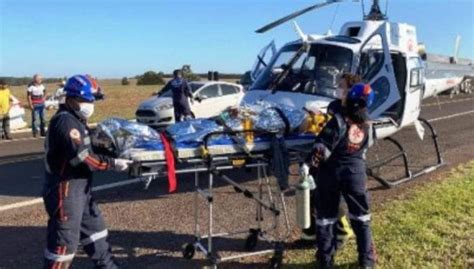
{"x":306,"y":72}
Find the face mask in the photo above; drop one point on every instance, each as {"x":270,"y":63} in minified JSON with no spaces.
{"x":85,"y":110}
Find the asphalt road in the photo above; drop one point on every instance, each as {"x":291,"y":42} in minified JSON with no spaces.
{"x":148,"y":227}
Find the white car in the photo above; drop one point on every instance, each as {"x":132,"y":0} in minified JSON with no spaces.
{"x":16,"y":113}
{"x":210,"y":99}
{"x":52,"y":102}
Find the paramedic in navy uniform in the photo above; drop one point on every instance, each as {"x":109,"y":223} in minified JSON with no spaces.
{"x":181,"y":95}
{"x":339,"y":155}
{"x":74,"y":217}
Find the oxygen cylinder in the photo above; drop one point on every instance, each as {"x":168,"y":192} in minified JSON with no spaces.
{"x":303,"y":214}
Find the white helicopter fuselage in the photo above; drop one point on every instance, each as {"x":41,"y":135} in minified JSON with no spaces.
{"x":385,"y":54}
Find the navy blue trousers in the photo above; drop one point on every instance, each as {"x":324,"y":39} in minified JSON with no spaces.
{"x":75,"y":219}
{"x":351,"y":184}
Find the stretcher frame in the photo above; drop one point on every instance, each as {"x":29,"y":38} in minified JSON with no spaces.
{"x":213,"y":166}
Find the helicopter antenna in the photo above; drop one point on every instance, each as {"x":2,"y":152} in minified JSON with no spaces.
{"x":334,"y":17}
{"x":363,"y":8}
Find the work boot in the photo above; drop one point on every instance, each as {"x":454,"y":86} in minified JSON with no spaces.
{"x":343,"y":232}
{"x":323,"y":265}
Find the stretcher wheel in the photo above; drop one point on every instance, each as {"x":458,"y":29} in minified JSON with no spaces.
{"x":252,"y":240}
{"x":276,"y":261}
{"x":188,"y":251}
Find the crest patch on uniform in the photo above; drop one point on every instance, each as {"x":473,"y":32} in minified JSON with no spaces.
{"x":74,"y":134}
{"x":356,"y":134}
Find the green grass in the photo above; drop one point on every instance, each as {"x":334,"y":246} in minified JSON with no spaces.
{"x":433,"y":227}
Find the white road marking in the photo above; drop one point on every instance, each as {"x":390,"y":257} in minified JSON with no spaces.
{"x":21,"y":204}
{"x":97,"y":188}
{"x":451,"y":116}
{"x":136,"y":180}
{"x":447,"y":102}
{"x":22,"y":159}
{"x":21,"y":139}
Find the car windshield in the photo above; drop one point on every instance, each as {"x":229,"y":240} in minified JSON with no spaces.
{"x":315,"y":71}
{"x":194,"y":87}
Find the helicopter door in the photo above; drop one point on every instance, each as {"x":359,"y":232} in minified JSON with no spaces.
{"x":376,"y":66}
{"x":263,"y":59}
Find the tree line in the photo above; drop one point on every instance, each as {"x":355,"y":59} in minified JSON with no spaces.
{"x":18,"y":81}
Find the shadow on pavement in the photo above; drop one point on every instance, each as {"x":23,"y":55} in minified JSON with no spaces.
{"x":22,"y":247}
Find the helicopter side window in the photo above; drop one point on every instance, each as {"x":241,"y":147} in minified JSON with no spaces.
{"x":381,"y":89}
{"x":371,"y":59}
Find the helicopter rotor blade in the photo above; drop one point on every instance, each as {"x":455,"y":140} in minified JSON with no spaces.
{"x":294,"y":15}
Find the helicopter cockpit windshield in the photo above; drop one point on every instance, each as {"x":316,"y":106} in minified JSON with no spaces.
{"x":313,"y":70}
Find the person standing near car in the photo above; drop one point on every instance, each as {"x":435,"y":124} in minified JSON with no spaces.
{"x":5,"y":102}
{"x":60,"y":94}
{"x":181,"y":94}
{"x":36,"y":100}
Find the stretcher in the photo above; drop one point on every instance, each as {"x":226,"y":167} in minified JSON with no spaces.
{"x":224,"y":151}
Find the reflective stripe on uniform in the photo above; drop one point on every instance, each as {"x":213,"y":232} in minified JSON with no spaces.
{"x":363,"y":218}
{"x":327,"y":153}
{"x":87,"y":140}
{"x":325,"y":222}
{"x":94,"y":237}
{"x":80,"y":157}
{"x":59,"y":258}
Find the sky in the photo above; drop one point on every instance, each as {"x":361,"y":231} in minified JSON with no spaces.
{"x":114,"y":38}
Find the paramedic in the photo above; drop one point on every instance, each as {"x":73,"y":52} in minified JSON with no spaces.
{"x":342,"y":229}
{"x":36,"y":93}
{"x":181,"y":93}
{"x":345,"y":83}
{"x":74,"y":217}
{"x":339,"y":155}
{"x":5,"y":101}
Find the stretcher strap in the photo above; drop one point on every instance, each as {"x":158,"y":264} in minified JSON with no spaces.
{"x":284,"y":119}
{"x":169,"y":163}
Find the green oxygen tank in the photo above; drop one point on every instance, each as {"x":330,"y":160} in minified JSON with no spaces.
{"x":303,"y":214}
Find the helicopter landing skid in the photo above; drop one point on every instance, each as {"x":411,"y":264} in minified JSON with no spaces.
{"x":402,"y":154}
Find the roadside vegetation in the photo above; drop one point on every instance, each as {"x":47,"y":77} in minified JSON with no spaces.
{"x":429,"y":227}
{"x":120,"y":100}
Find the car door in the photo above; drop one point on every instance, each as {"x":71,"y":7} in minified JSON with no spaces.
{"x":230,"y":95}
{"x":263,"y":58}
{"x":207,"y":101}
{"x":375,"y":66}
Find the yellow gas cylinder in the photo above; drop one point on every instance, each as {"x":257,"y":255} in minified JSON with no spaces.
{"x":248,"y":125}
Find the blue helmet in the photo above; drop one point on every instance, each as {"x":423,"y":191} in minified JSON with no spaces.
{"x":81,"y":86}
{"x":362,"y":91}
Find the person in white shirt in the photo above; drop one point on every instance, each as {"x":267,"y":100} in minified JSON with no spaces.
{"x":36,"y":98}
{"x":60,"y":94}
